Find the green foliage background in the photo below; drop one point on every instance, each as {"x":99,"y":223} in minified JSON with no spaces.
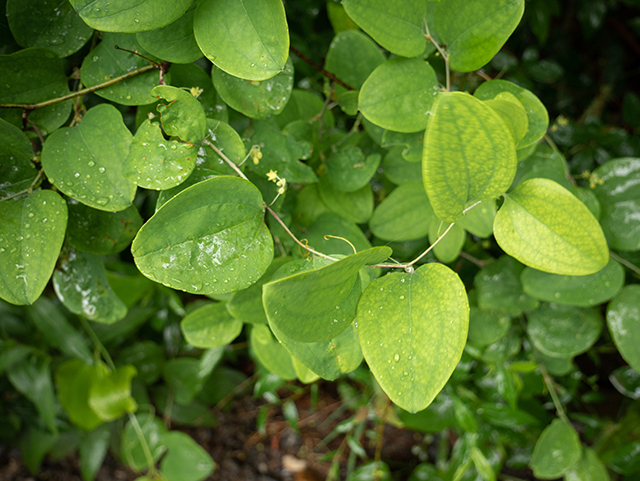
{"x":403,"y":189}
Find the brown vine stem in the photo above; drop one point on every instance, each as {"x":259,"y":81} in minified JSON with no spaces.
{"x":441,"y":52}
{"x":327,"y":74}
{"x":72,"y":95}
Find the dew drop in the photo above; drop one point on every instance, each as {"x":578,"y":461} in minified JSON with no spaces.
{"x":396,"y":358}
{"x":91,"y":163}
{"x":101,"y":170}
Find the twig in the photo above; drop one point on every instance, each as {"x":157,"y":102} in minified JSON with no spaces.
{"x":483,"y":75}
{"x":225,"y":400}
{"x":27,"y":190}
{"x":554,"y":395}
{"x":226,"y":159}
{"x":320,"y":116}
{"x":442,"y":52}
{"x":72,"y":95}
{"x":475,"y":260}
{"x":625,"y":263}
{"x":327,"y":74}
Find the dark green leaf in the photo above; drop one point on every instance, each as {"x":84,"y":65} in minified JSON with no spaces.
{"x":16,"y":170}
{"x":485,"y":328}
{"x":350,"y":169}
{"x":131,"y":451}
{"x":147,"y":357}
{"x":328,"y":232}
{"x":93,"y":450}
{"x":398,"y":170}
{"x":623,"y":320}
{"x":355,"y":206}
{"x":557,"y":451}
{"x":182,"y":116}
{"x":413,"y":144}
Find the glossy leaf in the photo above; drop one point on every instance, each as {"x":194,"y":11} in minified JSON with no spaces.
{"x":73,"y":381}
{"x":350,"y":169}
{"x":99,"y":232}
{"x":52,"y":24}
{"x":186,"y":459}
{"x":130,"y":15}
{"x":545,"y":227}
{"x":402,"y":319}
{"x":16,"y":170}
{"x":110,"y":392}
{"x":318,"y":304}
{"x":589,"y":468}
{"x":156,"y":163}
{"x":105,"y":62}
{"x":85,"y":162}
{"x":255,"y":99}
{"x":475,"y":31}
{"x":469,"y":155}
{"x":328,"y":359}
{"x":31,"y":235}
{"x":397,"y":27}
{"x":175,"y":42}
{"x":182,"y":116}
{"x":208,"y":239}
{"x":398,"y":95}
{"x":627,"y":381}
{"x":210,"y":326}
{"x":81,"y":285}
{"x":557,"y":450}
{"x":34,"y":75}
{"x":536,"y":112}
{"x":355,"y":206}
{"x":249,"y":40}
{"x":583,"y":291}
{"x":564,"y":331}
{"x":270,"y":352}
{"x":620,"y":198}
{"x":623,"y":320}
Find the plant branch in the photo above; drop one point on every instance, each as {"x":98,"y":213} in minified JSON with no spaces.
{"x":27,"y":190}
{"x":625,"y":263}
{"x":229,"y":162}
{"x":483,"y":75}
{"x":72,"y":95}
{"x":554,"y":394}
{"x":442,"y":52}
{"x":327,"y":74}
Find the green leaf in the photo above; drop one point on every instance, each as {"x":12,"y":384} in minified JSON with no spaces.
{"x":469,"y":155}
{"x":545,"y":164}
{"x":85,"y":162}
{"x":255,"y":99}
{"x":557,"y":450}
{"x":246,"y":305}
{"x":93,"y":449}
{"x":627,"y":381}
{"x":397,"y":27}
{"x":486,"y":328}
{"x":33,"y":379}
{"x":564,"y":331}
{"x":210,"y":326}
{"x":582,"y":291}
{"x":34,"y":444}
{"x":398,"y":170}
{"x":81,"y":285}
{"x":280,"y":153}
{"x":589,"y":468}
{"x":182,"y":116}
{"x":479,"y":220}
{"x":625,"y":459}
{"x":305,"y":105}
{"x":57,"y":330}
{"x":620,"y":199}
{"x":99,"y":232}
{"x":484,"y":468}
{"x":449,"y":247}
{"x":402,"y":320}
{"x":331,"y":224}
{"x":110,"y":392}
{"x":623,"y":320}
{"x":413,"y":144}
{"x":31,"y":235}
{"x":475,"y":31}
{"x":130,"y":15}
{"x":536,"y":111}
{"x":190,"y":76}
{"x":355,"y":206}
{"x":499,"y":289}
{"x":318,"y":304}
{"x":34,"y":75}
{"x":350,"y":170}
{"x":544,"y":226}
{"x":249,"y":40}
{"x":208,"y":239}
{"x":16,"y":170}
{"x":398,"y":95}
{"x":327,"y":359}
{"x":271,"y":354}
{"x":52,"y":24}
{"x":156,"y":163}
{"x":175,"y":42}
{"x":147,"y":357}
{"x":512,"y":113}
{"x":73,"y":381}
{"x":186,"y":459}
{"x":185,"y":376}
{"x":131,"y":451}
{"x":105,"y":63}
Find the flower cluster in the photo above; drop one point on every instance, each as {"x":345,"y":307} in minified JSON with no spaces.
{"x":272,"y":175}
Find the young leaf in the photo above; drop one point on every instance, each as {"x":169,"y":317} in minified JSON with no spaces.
{"x":186,"y":459}
{"x":73,"y":381}
{"x":208,"y":239}
{"x":318,"y":304}
{"x":475,"y":31}
{"x":31,"y":235}
{"x":110,"y":392}
{"x":85,"y":162}
{"x":210,"y":326}
{"x":130,"y":15}
{"x":469,"y":155}
{"x":557,"y":450}
{"x":623,"y":320}
{"x":544,"y":226}
{"x":582,"y":291}
{"x":402,"y":321}
{"x":398,"y":95}
{"x":249,"y":40}
{"x":395,"y":26}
